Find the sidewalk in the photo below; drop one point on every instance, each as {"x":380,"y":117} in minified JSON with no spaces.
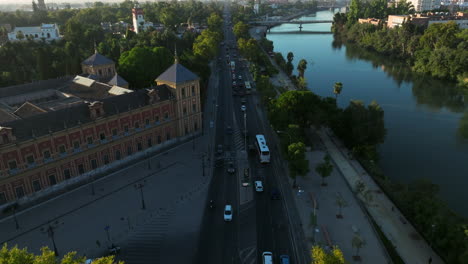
{"x":412,"y":248}
{"x":330,"y":230}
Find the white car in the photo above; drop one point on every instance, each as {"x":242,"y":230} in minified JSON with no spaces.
{"x":233,"y":83}
{"x":240,"y":77}
{"x":243,"y":108}
{"x":258,"y":186}
{"x":233,"y":76}
{"x":228,"y":213}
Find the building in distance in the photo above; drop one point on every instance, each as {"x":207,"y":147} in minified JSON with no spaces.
{"x":48,"y":32}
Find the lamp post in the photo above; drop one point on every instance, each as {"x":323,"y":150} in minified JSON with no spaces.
{"x":49,"y":230}
{"x":13,"y":208}
{"x":140,"y":186}
{"x":148,"y":158}
{"x":284,"y":132}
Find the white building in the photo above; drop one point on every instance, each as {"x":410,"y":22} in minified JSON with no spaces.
{"x":425,"y":5}
{"x":45,"y":31}
{"x":139,"y":22}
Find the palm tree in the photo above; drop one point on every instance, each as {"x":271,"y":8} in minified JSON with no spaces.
{"x":301,"y":67}
{"x":337,"y":89}
{"x":357,"y":243}
{"x":341,"y":202}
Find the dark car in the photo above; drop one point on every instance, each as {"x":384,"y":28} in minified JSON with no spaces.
{"x":275,"y":194}
{"x":219,"y":162}
{"x":229,"y":130}
{"x":231,"y":168}
{"x":284,"y":259}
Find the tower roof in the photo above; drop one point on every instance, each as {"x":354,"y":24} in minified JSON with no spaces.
{"x":97,"y":59}
{"x":118,"y":81}
{"x":177,"y":73}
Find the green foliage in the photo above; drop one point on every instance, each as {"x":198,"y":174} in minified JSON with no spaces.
{"x":440,"y":51}
{"x":320,"y":256}
{"x":22,"y":256}
{"x":140,"y":66}
{"x":301,"y":67}
{"x":298,"y":164}
{"x":360,"y":126}
{"x":241,"y":30}
{"x":337,"y":88}
{"x":325,"y":168}
{"x":266,"y":44}
{"x":215,"y":23}
{"x":206,"y":44}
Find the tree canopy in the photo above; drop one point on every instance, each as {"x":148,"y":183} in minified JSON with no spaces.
{"x":16,"y":255}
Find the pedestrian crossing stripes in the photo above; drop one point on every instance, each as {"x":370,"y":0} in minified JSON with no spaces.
{"x":237,"y":135}
{"x":248,"y":255}
{"x":144,"y":247}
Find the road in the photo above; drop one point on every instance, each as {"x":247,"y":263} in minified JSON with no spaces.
{"x":259,"y":224}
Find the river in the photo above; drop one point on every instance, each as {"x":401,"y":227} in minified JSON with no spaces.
{"x":422,"y":115}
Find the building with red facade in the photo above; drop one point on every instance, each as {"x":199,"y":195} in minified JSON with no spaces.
{"x":56,"y":130}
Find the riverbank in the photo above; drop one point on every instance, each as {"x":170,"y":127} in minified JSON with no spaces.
{"x":395,"y":226}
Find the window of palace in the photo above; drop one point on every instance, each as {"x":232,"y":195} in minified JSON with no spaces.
{"x":195,"y":126}
{"x":150,"y":142}
{"x":183,"y":92}
{"x":102,"y":136}
{"x":62,"y":149}
{"x":81,"y":169}
{"x":36,"y":184}
{"x":157,"y":119}
{"x":46,"y":154}
{"x":66,"y":174}
{"x":193,"y":90}
{"x":194,"y":108}
{"x":94,"y":164}
{"x":126,"y":128}
{"x":106,"y":159}
{"x":168,"y":136}
{"x":185,"y":110}
{"x":147,"y":122}
{"x":30,"y":159}
{"x":19,"y":191}
{"x":114,"y":132}
{"x":76,"y":145}
{"x":89,"y":140}
{"x":117,"y":155}
{"x":159,"y":139}
{"x":166,"y":116}
{"x":137,"y":125}
{"x":2,"y":198}
{"x":12,"y":165}
{"x":129,"y":150}
{"x":52,"y":179}
{"x":139,"y":146}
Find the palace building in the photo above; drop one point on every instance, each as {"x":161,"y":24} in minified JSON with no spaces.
{"x":52,"y":131}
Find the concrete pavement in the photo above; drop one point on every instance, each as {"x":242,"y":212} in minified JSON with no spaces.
{"x":407,"y":241}
{"x":329,"y":229}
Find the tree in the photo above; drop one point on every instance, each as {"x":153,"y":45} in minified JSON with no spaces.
{"x":215,"y":23}
{"x":298,"y":164}
{"x":241,"y":30}
{"x":140,"y":66}
{"x":301,"y":67}
{"x":22,"y":256}
{"x":301,"y":84}
{"x":337,"y":89}
{"x":324,"y":169}
{"x":341,"y":202}
{"x":320,"y":256}
{"x":290,"y":56}
{"x":205,"y":44}
{"x":357,"y":242}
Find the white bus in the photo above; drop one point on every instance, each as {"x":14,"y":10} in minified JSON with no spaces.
{"x":248,"y":88}
{"x":233,"y":65}
{"x":262,"y":148}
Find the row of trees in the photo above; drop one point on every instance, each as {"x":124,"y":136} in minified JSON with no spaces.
{"x":16,"y":255}
{"x":441,"y":50}
{"x":288,"y":67}
{"x":35,"y":60}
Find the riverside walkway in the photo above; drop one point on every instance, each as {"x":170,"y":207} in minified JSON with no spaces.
{"x":411,"y":247}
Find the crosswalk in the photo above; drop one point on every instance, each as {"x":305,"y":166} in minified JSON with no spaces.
{"x":144,"y":246}
{"x":237,"y":135}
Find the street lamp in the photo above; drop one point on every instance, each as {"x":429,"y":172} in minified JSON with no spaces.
{"x":148,"y":158}
{"x":13,"y":208}
{"x":51,"y":233}
{"x":284,"y":132}
{"x":140,"y":186}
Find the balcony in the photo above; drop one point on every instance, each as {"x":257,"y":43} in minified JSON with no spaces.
{"x":76,"y":150}
{"x":13,"y":171}
{"x":91,"y":145}
{"x":47,"y":160}
{"x":103,"y":141}
{"x":31,"y":165}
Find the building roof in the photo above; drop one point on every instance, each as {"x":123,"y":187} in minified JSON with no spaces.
{"x":177,"y":73}
{"x":97,"y":59}
{"x":118,"y":81}
{"x":28,"y":109}
{"x":54,"y":121}
{"x":116,"y":90}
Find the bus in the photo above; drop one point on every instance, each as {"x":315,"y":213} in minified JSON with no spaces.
{"x":248,"y":88}
{"x":233,"y":65}
{"x":262,"y":148}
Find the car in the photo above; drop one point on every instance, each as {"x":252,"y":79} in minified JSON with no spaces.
{"x":228,"y":213}
{"x":267,"y":257}
{"x":233,"y":83}
{"x":219,"y":162}
{"x":233,"y":76}
{"x":243,"y":108}
{"x":219,"y":149}
{"x":258,"y":186}
{"x":275,"y":194}
{"x":240,"y":77}
{"x":229,"y":130}
{"x":88,"y":261}
{"x":231,"y":168}
{"x":284,"y":259}
{"x":243,"y":100}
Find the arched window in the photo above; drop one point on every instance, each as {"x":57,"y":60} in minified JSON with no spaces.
{"x":48,"y":35}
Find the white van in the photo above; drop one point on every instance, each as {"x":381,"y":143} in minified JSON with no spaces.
{"x":267,"y":257}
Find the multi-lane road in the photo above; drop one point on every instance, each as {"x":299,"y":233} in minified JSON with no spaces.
{"x":261,"y":224}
